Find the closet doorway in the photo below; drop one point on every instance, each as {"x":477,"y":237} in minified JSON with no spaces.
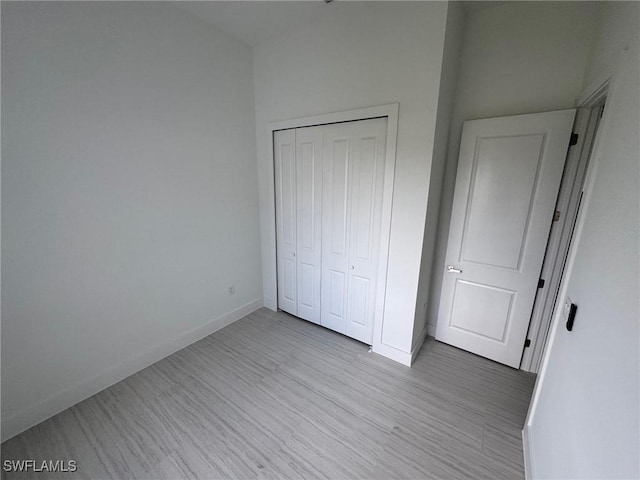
{"x":332,"y":218}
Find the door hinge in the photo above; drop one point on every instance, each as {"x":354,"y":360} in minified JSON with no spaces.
{"x":556,"y":215}
{"x":574,"y":139}
{"x":527,"y":343}
{"x":541,"y":283}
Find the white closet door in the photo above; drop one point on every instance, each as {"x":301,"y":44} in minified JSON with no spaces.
{"x":365,"y":192}
{"x":285,"y":172}
{"x":335,"y":218}
{"x":309,"y":220}
{"x":353,"y":166}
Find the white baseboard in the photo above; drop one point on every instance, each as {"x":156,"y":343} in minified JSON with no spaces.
{"x":393,"y":353}
{"x":526,"y":450}
{"x":83,"y":389}
{"x":431,"y":329}
{"x":421,"y":338}
{"x":271,"y":303}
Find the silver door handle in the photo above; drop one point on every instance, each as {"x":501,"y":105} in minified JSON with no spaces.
{"x":352,"y":267}
{"x":452,"y":269}
{"x":293,"y":254}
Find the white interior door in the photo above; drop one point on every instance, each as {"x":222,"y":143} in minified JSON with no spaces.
{"x":353,"y":165}
{"x":509,"y":172}
{"x":284,"y":146}
{"x":309,"y":221}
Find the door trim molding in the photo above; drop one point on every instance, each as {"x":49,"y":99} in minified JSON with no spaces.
{"x":585,"y":125}
{"x":390,"y":111}
{"x":592,"y":96}
{"x":529,"y":474}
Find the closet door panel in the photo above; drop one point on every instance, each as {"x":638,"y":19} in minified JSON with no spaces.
{"x":335,"y":221}
{"x":360,"y":288}
{"x":309,"y":220}
{"x":289,"y":285}
{"x":336,"y":295}
{"x":365,"y":189}
{"x":286,"y":231}
{"x":338,"y":177}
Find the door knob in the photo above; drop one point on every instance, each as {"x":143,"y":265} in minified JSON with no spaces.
{"x":452,"y":269}
{"x":293,"y":254}
{"x":352,"y":267}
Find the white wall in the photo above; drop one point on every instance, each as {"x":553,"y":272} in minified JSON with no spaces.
{"x":585,"y":421}
{"x":129,"y":194}
{"x":448,"y":82}
{"x":518,"y":57}
{"x":360,"y":55}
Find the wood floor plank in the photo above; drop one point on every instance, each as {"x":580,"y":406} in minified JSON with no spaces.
{"x":271,"y":396}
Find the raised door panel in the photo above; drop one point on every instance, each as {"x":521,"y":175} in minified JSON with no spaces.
{"x":309,"y":221}
{"x":286,"y":227}
{"x":482,"y":310}
{"x":503,"y":184}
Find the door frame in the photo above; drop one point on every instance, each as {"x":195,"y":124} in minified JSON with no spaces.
{"x":390,"y":111}
{"x":576,"y":164}
{"x":597,"y":93}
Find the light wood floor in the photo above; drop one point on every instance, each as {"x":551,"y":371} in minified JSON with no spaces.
{"x":271,"y":396}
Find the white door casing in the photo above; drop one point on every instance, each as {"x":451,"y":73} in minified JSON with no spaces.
{"x":509,"y":172}
{"x":353,"y":165}
{"x":569,"y":196}
{"x":309,"y":221}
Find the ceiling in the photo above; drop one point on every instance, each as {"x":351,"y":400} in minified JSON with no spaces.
{"x":255,"y":22}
